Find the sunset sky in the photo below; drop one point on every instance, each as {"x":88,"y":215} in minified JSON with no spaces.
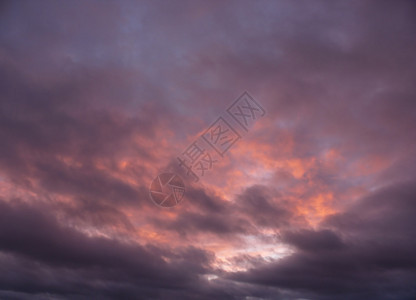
{"x":316,"y":201}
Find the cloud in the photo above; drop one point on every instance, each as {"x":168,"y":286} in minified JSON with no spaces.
{"x":368,"y":252}
{"x":38,"y":248}
{"x":315,"y":202}
{"x":314,"y":241}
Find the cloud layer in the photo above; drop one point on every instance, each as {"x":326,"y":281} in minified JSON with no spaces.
{"x":317,"y":201}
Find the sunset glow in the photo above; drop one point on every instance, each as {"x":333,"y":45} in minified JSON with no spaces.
{"x":315,"y":197}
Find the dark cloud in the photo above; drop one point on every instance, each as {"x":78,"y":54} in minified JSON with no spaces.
{"x":205,"y":213}
{"x":368,"y":252}
{"x":258,"y":205}
{"x":47,"y":256}
{"x":314,"y":241}
{"x":254,"y":209}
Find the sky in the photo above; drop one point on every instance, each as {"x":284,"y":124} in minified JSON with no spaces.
{"x":317,"y":200}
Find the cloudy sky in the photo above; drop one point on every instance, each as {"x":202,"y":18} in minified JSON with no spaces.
{"x":316,"y":201}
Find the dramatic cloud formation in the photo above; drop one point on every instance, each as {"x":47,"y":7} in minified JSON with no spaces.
{"x":316,"y":201}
